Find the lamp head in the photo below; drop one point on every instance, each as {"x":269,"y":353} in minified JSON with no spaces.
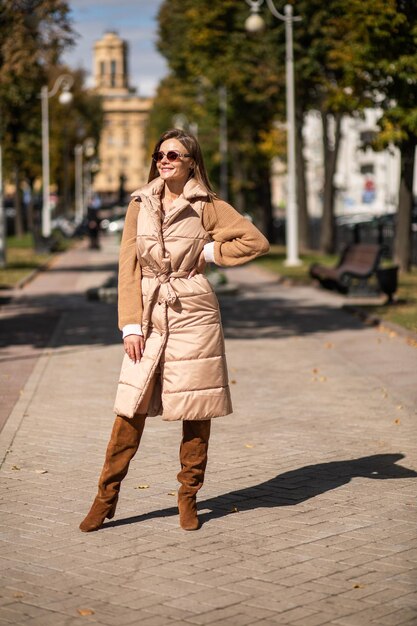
{"x":65,"y":97}
{"x":254,"y":23}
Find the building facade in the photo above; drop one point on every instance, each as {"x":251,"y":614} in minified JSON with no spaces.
{"x":367,"y":182}
{"x":122,"y":154}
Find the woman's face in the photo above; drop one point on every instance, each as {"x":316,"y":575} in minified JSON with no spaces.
{"x":179,"y":170}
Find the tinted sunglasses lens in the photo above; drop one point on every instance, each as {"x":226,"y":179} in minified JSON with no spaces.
{"x":172,"y":155}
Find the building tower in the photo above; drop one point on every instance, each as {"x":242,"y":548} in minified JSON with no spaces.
{"x":110,"y":64}
{"x":122,"y":152}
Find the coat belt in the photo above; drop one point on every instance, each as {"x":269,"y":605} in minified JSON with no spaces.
{"x":161,"y":288}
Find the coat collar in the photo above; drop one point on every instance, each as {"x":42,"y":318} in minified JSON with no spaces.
{"x":191,"y":191}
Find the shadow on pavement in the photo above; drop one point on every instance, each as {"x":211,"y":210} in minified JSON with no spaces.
{"x":292,"y":487}
{"x":84,"y":323}
{"x":271,"y":317}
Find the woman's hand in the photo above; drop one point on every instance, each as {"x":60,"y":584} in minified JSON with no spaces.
{"x":199,"y":267}
{"x":134,"y":346}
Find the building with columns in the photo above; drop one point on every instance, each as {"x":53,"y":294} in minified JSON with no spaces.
{"x":122,"y":153}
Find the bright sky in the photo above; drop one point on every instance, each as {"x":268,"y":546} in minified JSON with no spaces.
{"x":135,"y":21}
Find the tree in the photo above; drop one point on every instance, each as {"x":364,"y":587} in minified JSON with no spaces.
{"x":377,"y":44}
{"x":33,"y":35}
{"x":69,"y":126}
{"x":193,"y":33}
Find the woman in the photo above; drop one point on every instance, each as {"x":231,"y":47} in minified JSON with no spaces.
{"x":174,"y":364}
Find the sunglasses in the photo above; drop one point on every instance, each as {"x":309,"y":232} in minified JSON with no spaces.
{"x":171,"y":155}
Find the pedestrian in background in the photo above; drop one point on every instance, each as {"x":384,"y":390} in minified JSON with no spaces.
{"x":174,"y":364}
{"x":93,"y":222}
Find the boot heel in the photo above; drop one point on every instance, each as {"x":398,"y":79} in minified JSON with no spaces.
{"x":96,"y":516}
{"x":112,"y":511}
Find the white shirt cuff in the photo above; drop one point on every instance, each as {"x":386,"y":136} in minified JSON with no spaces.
{"x":132,"y":329}
{"x":208,"y":252}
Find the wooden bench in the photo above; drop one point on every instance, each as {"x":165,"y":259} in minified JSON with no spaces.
{"x":359,"y":261}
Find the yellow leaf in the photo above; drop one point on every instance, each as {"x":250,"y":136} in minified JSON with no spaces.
{"x":142,"y":487}
{"x":84,"y":612}
{"x":397,"y":421}
{"x":359,"y":586}
{"x":248,"y":445}
{"x":399,"y":407}
{"x":322,"y":379}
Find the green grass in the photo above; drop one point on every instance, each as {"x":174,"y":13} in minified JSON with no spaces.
{"x":403,"y":312}
{"x":275,"y":261}
{"x":22,"y":259}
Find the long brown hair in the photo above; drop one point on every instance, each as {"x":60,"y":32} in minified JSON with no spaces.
{"x":192,"y":147}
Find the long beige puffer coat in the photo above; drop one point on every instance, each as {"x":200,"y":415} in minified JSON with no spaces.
{"x":184,"y":345}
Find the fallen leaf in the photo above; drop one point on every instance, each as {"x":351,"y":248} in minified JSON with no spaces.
{"x":322,"y":379}
{"x":315,"y":370}
{"x":399,"y":407}
{"x":412,"y":342}
{"x":15,"y":467}
{"x":234,"y":509}
{"x":172,"y":493}
{"x":142,"y":487}
{"x":359,"y":586}
{"x":397,"y":421}
{"x":233,"y":382}
{"x":84,"y":612}
{"x":41,"y":471}
{"x":248,"y":445}
{"x":329,"y":345}
{"x":18,"y":594}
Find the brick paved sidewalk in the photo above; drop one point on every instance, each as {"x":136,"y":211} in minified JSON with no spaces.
{"x":309,"y":504}
{"x":29,"y":320}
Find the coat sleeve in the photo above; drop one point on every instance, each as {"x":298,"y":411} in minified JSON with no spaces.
{"x":236,"y":239}
{"x":130,"y":275}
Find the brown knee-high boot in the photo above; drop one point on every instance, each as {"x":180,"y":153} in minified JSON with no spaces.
{"x":193,"y":458}
{"x":122,"y":447}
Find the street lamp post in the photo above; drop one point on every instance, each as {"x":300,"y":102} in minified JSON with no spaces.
{"x":79,"y":194}
{"x":255,"y":23}
{"x":65,"y":81}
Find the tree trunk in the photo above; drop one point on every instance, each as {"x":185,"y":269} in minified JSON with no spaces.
{"x":18,"y":218}
{"x":330,"y":153}
{"x":236,"y":181}
{"x":30,"y":208}
{"x":303,"y":218}
{"x":402,"y":243}
{"x":266,"y":204}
